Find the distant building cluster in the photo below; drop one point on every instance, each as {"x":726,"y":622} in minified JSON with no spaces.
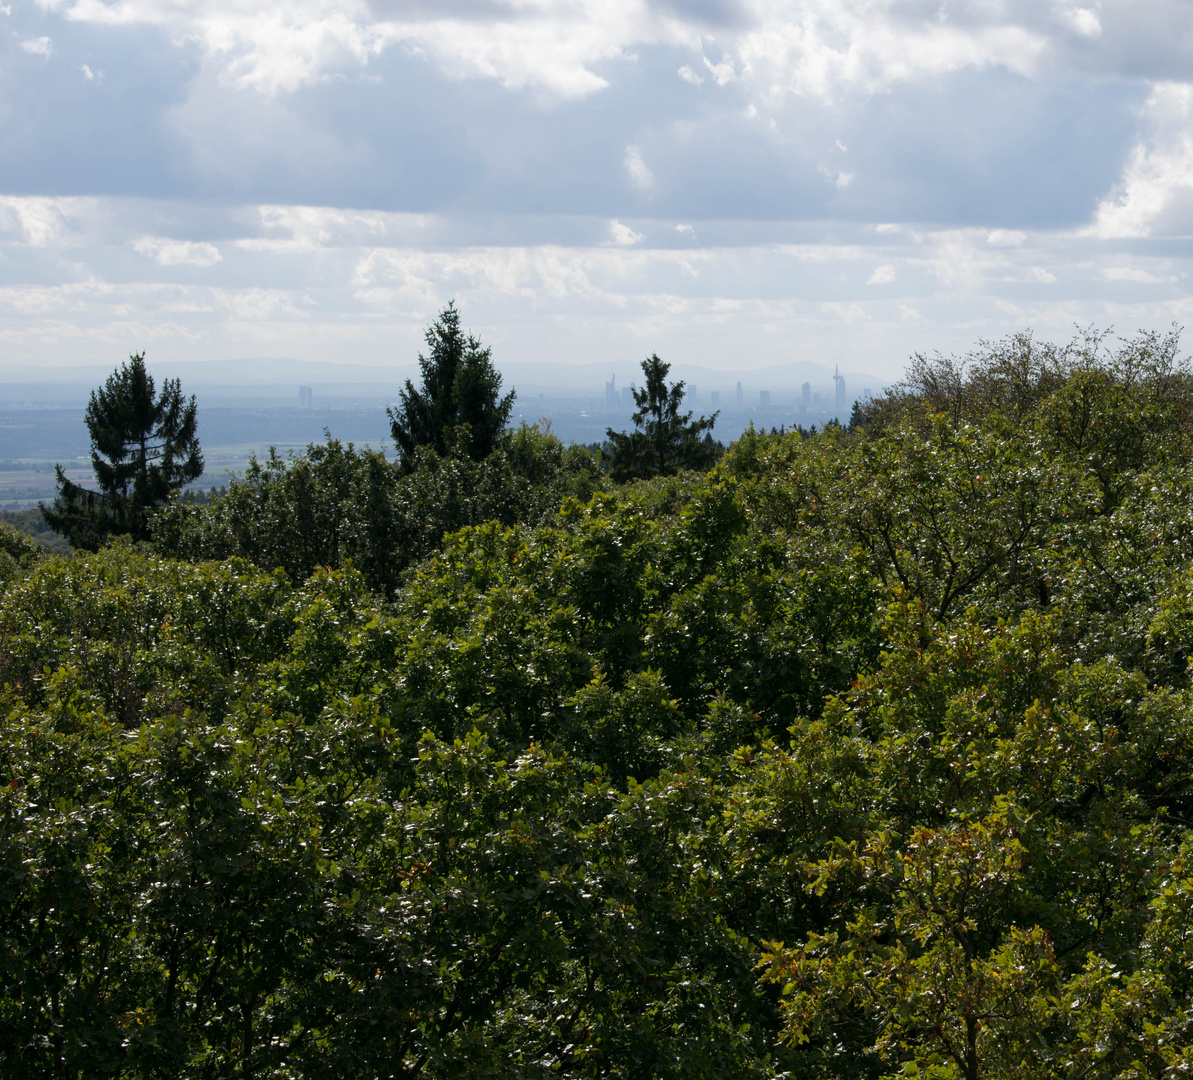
{"x":773,"y":406}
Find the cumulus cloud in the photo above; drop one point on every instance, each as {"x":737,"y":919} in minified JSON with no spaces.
{"x":1083,"y":21}
{"x":1005,"y":238}
{"x":724,"y":72}
{"x":818,"y":48}
{"x":41,"y":46}
{"x":640,"y":173}
{"x":42,"y":221}
{"x":167,"y":252}
{"x":300,"y":229}
{"x":623,"y":235}
{"x":351,"y":133}
{"x":552,"y":44}
{"x":1156,"y":191}
{"x":1130,"y":273}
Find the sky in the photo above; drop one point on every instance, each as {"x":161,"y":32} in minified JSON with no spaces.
{"x":731,"y":183}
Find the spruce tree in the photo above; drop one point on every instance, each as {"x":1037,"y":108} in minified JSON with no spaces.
{"x":144,"y":447}
{"x":458,"y":407}
{"x":666,"y":440}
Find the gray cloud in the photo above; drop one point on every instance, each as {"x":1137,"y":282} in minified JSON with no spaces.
{"x":287,"y":179}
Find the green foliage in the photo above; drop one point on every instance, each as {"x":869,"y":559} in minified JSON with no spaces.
{"x":458,"y":408}
{"x":18,"y":552}
{"x":868,"y":753}
{"x":144,"y":447}
{"x":664,"y":440}
{"x":335,"y":504}
{"x":33,"y":524}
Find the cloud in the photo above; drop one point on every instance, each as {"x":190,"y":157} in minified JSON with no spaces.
{"x":301,"y":229}
{"x":551,"y":44}
{"x":42,"y":221}
{"x":1083,"y":21}
{"x":690,"y":76}
{"x":723,"y":72}
{"x":1155,"y":194}
{"x":166,"y":252}
{"x":814,"y":48}
{"x":1130,"y":273}
{"x":883,"y":275}
{"x":41,"y":46}
{"x":1005,"y":238}
{"x":640,"y":173}
{"x":623,"y":235}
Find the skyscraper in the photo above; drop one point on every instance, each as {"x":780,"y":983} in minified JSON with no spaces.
{"x":840,"y":381}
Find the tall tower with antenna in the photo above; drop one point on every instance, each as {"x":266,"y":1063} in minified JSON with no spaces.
{"x":839,"y":379}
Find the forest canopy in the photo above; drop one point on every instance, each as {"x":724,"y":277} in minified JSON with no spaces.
{"x":863,"y":753}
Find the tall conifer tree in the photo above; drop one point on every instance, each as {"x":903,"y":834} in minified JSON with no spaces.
{"x":666,"y":440}
{"x":144,"y":447}
{"x":458,"y":407}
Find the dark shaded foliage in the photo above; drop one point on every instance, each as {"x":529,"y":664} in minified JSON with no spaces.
{"x":334,"y":505}
{"x":458,"y":409}
{"x":144,"y":447}
{"x":664,"y":440}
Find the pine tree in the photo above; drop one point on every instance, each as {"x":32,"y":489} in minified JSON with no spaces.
{"x":458,"y":407}
{"x":666,"y":440}
{"x":144,"y":447}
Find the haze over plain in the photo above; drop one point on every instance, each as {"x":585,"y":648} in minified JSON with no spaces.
{"x":730,"y":183}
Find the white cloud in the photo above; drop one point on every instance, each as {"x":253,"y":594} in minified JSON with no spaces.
{"x":1005,"y":238}
{"x":40,"y":220}
{"x":723,"y":72}
{"x":1083,"y":21}
{"x":823,"y":48}
{"x":299,"y":229}
{"x":817,"y":48}
{"x":41,"y":46}
{"x":89,"y":75}
{"x":167,"y":252}
{"x":640,"y":173}
{"x":844,"y":179}
{"x":1130,"y":273}
{"x":686,"y":231}
{"x":623,"y":235}
{"x":351,"y":277}
{"x":1034,"y":274}
{"x":549,"y":44}
{"x":690,"y":76}
{"x":1156,"y":191}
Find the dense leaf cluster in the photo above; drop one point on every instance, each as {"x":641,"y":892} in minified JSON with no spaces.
{"x":866,"y":754}
{"x":336,"y":504}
